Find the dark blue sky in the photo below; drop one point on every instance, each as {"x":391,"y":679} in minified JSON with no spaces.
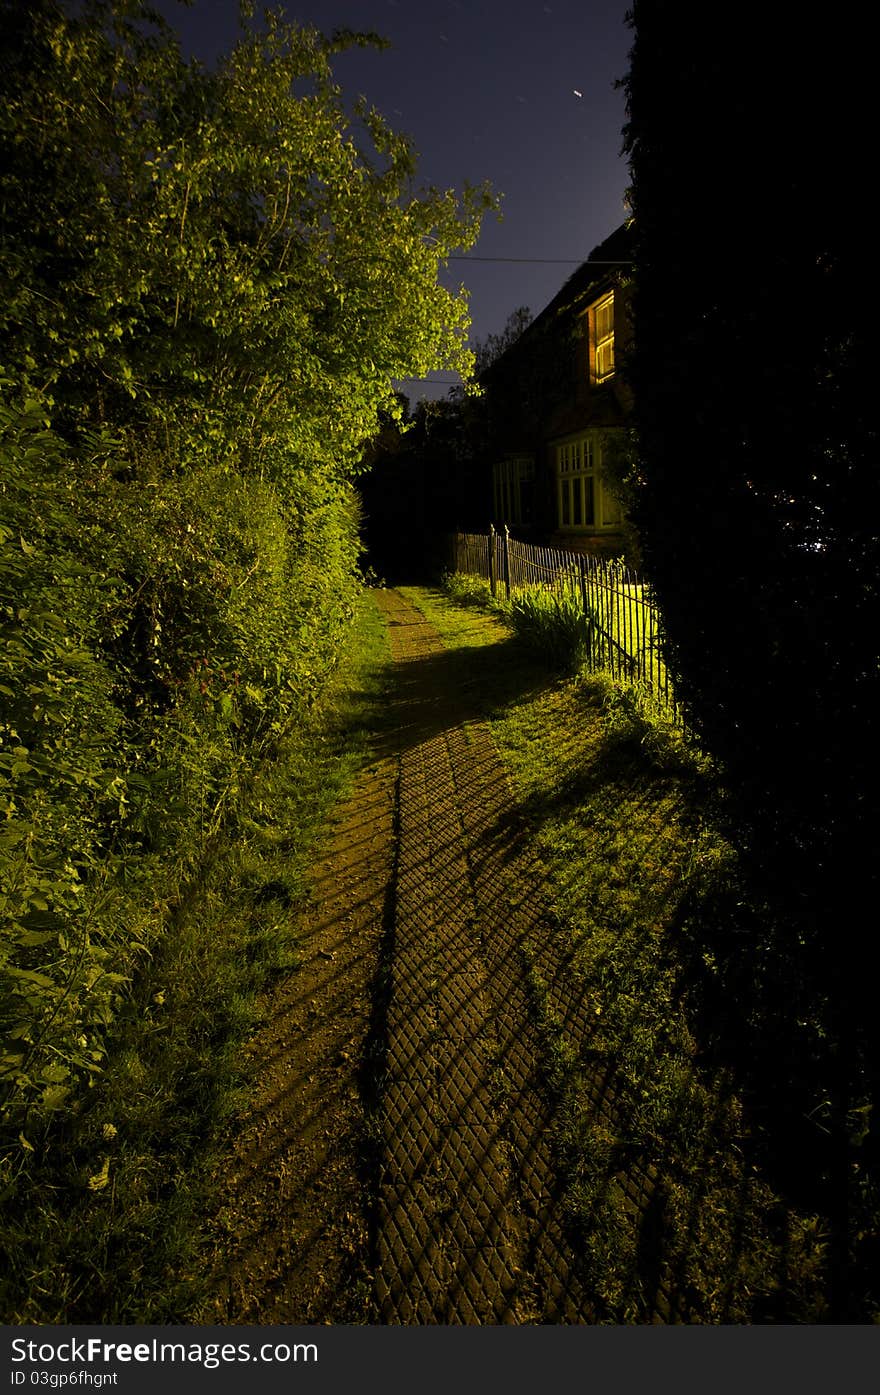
{"x":486,"y":89}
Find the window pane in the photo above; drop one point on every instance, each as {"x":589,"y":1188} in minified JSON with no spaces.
{"x":590,"y":500}
{"x":605,"y":359}
{"x":576,"y":485}
{"x":604,"y":331}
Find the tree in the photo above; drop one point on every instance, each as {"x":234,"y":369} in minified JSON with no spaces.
{"x":759,"y":500}
{"x":224,"y":255}
{"x":210,"y":282}
{"x":227,"y":271}
{"x":488,"y":350}
{"x":759,"y":496}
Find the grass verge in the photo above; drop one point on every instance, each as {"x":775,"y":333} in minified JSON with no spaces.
{"x":101,"y":1221}
{"x":680,"y":1201}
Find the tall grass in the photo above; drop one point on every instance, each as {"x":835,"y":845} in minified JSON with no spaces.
{"x":626,"y":624}
{"x":554,"y":626}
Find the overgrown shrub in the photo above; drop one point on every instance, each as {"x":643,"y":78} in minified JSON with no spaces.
{"x":209,"y":291}
{"x":757,"y":509}
{"x":105,"y":1220}
{"x":64,"y":751}
{"x":148,"y":655}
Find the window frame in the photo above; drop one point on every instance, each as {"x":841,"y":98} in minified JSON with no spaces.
{"x":583,"y":499}
{"x":603,"y":344}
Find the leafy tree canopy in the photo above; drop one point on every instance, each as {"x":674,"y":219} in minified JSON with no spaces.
{"x":227,"y":259}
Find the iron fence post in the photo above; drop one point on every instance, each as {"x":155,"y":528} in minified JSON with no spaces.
{"x":493,"y":567}
{"x":505,"y":556}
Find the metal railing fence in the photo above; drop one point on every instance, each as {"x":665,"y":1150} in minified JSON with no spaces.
{"x":626,"y":620}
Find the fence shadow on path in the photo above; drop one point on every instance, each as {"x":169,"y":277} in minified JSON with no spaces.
{"x":433,"y":693}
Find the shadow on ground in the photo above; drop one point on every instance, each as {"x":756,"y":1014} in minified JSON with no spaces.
{"x":759,"y":1014}
{"x":435,"y":692}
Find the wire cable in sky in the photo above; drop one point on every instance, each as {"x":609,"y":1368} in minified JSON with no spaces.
{"x":533,"y":261}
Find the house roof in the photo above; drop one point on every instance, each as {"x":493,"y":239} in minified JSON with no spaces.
{"x":597,"y":273}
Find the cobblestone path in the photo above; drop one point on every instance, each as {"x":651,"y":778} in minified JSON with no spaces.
{"x":469,"y":1221}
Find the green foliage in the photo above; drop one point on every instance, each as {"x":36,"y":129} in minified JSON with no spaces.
{"x":108,"y":1224}
{"x":755,"y":505}
{"x":469,"y":590}
{"x":554,"y":625}
{"x":633,"y":717}
{"x":210,"y":281}
{"x":63,"y":792}
{"x":226,"y":259}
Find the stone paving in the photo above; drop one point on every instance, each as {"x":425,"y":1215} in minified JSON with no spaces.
{"x":469,"y":1221}
{"x":399,"y":1155}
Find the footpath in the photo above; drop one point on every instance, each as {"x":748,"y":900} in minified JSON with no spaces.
{"x":469,"y":1226}
{"x":396,"y":1158}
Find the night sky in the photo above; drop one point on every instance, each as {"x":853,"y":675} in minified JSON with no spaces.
{"x":519,"y":92}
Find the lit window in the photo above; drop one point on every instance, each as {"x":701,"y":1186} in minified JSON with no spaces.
{"x":576,"y":483}
{"x":602,"y":324}
{"x":584,"y":501}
